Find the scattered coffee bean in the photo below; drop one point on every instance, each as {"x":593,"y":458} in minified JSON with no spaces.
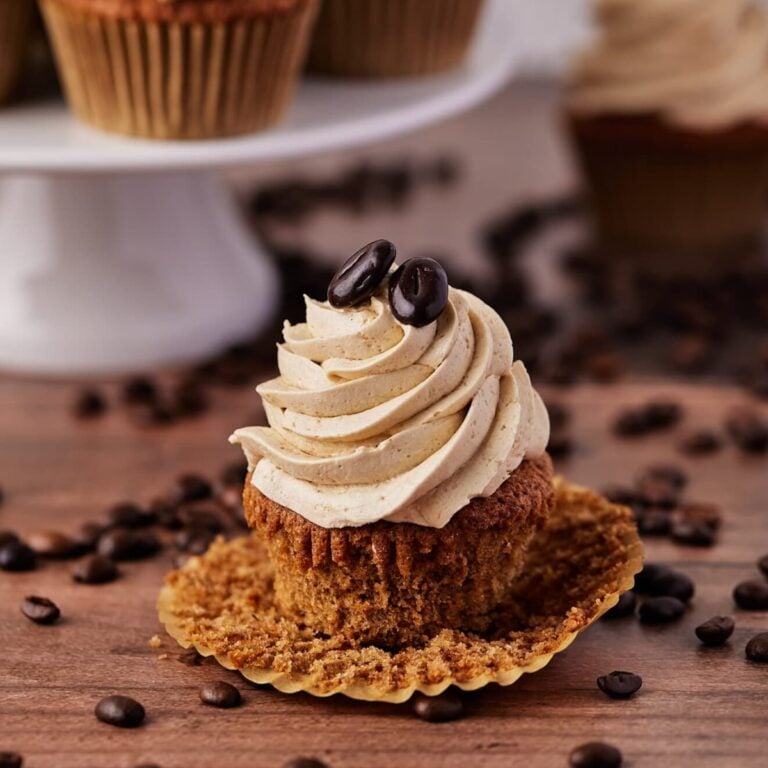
{"x":620,"y":494}
{"x":439,"y":709}
{"x":192,"y":487}
{"x":96,"y":569}
{"x":762,"y":564}
{"x":757,"y":648}
{"x":625,"y":607}
{"x":604,"y":367}
{"x":305,"y":762}
{"x":662,"y":414}
{"x":748,"y":429}
{"x":669,"y":474}
{"x":648,"y":575}
{"x":52,"y":544}
{"x":698,"y":512}
{"x":751,"y":595}
{"x":652,"y":417}
{"x":220,"y":694}
{"x":595,"y":754}
{"x":361,"y":274}
{"x":418,"y":292}
{"x":122,"y":711}
{"x":191,"y":658}
{"x":41,"y":610}
{"x":125,"y":544}
{"x":152,"y":414}
{"x":202,"y":517}
{"x":194,"y":541}
{"x":560,"y":444}
{"x":701,"y":443}
{"x":17,"y":556}
{"x":190,"y":398}
{"x":89,"y":404}
{"x":233,"y":474}
{"x":619,"y":685}
{"x":139,"y":389}
{"x":129,"y":515}
{"x":88,"y":536}
{"x":660,"y":610}
{"x":630,"y":423}
{"x":693,"y":533}
{"x":716,"y":630}
{"x":654,"y":522}
{"x":671,"y":583}
{"x":11,"y":760}
{"x":8,"y":537}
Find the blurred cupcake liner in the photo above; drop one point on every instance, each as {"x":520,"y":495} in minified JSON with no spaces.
{"x":392,"y":38}
{"x":190,"y":70}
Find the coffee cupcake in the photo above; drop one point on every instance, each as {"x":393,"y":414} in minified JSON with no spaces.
{"x":184,"y":69}
{"x":15,"y":19}
{"x":403,"y":473}
{"x":392,"y":38}
{"x":669,"y":117}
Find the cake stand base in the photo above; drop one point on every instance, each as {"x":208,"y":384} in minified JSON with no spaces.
{"x":105,"y":273}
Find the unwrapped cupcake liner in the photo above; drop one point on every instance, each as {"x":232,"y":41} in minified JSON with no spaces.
{"x":179,"y":80}
{"x":392,"y":38}
{"x":666,"y":191}
{"x":15,"y":18}
{"x":222,"y":604}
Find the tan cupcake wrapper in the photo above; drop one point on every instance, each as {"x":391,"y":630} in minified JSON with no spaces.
{"x":221,"y":604}
{"x":15,"y":17}
{"x":171,"y":80}
{"x":392,"y":38}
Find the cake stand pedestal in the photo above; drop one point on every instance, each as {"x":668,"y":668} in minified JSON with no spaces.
{"x":120,"y":254}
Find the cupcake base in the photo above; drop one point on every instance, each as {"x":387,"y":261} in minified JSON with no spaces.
{"x":223,"y":604}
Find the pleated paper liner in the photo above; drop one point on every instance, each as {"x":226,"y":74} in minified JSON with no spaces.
{"x":179,"y":80}
{"x":15,"y":18}
{"x":222,"y":604}
{"x":392,"y":38}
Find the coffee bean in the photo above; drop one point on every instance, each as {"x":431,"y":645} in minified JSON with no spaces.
{"x":757,"y":648}
{"x":192,"y":487}
{"x":595,"y":754}
{"x":361,"y":274}
{"x":11,"y":760}
{"x":560,"y":444}
{"x":88,"y":536}
{"x":233,"y":474}
{"x":762,"y":564}
{"x":202,"y":517}
{"x":748,"y":430}
{"x":698,"y":512}
{"x":670,"y":474}
{"x":190,"y":399}
{"x":751,"y":595}
{"x":662,"y":414}
{"x":631,"y":423}
{"x":191,"y":658}
{"x":701,"y":443}
{"x":220,"y":694}
{"x":604,"y":367}
{"x":658,"y":492}
{"x":716,"y":630}
{"x":625,"y":607}
{"x":418,"y":292}
{"x":124,"y":544}
{"x":96,"y":569}
{"x":89,"y":404}
{"x":52,"y":544}
{"x":127,"y":514}
{"x":158,"y":414}
{"x":693,"y":533}
{"x":620,"y":494}
{"x":122,"y":711}
{"x":194,"y":541}
{"x":660,"y":610}
{"x":41,"y":610}
{"x":139,"y":389}
{"x":671,"y":583}
{"x":304,"y":762}
{"x":17,"y":556}
{"x":8,"y":537}
{"x":654,"y":522}
{"x":559,"y":415}
{"x":648,"y":575}
{"x":438,"y":709}
{"x":619,"y":685}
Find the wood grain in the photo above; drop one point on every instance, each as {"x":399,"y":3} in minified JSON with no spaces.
{"x":697,"y":707}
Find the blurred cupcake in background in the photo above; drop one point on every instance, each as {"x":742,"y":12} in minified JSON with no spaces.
{"x":179,"y":69}
{"x":15,"y":18}
{"x":392,"y":38}
{"x":669,"y":117}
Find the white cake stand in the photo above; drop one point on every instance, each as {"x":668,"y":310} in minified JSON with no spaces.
{"x":119,"y":254}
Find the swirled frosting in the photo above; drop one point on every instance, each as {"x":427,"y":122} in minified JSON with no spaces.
{"x":373,"y":420}
{"x":696,"y":63}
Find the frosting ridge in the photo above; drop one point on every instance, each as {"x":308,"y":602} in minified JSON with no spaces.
{"x":371,"y":419}
{"x":697,"y":64}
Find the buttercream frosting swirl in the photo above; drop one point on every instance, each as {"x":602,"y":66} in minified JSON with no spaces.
{"x":696,"y":63}
{"x":373,"y":420}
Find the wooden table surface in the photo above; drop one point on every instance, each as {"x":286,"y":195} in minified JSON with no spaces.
{"x":697,"y":707}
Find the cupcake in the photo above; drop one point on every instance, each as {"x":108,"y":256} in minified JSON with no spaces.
{"x":15,"y":18}
{"x":179,"y":69}
{"x":669,"y":118}
{"x":403,"y":473}
{"x":392,"y":38}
